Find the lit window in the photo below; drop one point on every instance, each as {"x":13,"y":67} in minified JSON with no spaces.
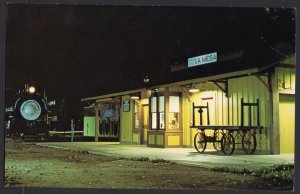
{"x":154,"y":112}
{"x":161,"y":112}
{"x":136,"y":116}
{"x":173,"y":112}
{"x":158,"y":112}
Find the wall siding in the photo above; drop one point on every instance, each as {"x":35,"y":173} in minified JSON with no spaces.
{"x":126,"y":122}
{"x":227,"y":111}
{"x":286,"y":78}
{"x":186,"y":120}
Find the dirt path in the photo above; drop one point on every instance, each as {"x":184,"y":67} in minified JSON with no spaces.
{"x":32,"y":166}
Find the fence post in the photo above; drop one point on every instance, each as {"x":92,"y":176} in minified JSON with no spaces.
{"x":72,"y":130}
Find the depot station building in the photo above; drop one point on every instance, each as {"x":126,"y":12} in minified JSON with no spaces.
{"x":161,"y":115}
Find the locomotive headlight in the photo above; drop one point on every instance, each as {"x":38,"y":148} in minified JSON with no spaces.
{"x":31,"y":89}
{"x":30,"y":110}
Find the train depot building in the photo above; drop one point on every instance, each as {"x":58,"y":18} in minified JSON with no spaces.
{"x":168,"y":115}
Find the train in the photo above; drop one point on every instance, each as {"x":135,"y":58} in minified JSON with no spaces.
{"x":29,"y":114}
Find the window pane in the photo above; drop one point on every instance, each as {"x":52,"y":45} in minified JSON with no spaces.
{"x":173,"y":120}
{"x":137,"y":121}
{"x":153,"y":104}
{"x":174,"y":104}
{"x":136,"y":107}
{"x":161,"y":104}
{"x":161,"y":120}
{"x":154,"y":123}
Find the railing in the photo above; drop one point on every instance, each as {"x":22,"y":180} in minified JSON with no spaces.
{"x":109,"y":129}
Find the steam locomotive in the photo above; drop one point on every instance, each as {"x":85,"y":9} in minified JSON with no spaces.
{"x":28,"y":114}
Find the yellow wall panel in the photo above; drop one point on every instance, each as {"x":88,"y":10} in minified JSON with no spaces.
{"x":287,"y":123}
{"x":173,"y":140}
{"x":126,"y":122}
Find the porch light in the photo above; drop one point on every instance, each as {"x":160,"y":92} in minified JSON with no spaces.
{"x":193,"y":89}
{"x":135,"y":97}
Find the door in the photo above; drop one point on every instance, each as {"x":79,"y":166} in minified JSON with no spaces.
{"x":287,"y":123}
{"x":145,"y":123}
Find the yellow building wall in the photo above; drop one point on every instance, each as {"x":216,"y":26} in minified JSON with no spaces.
{"x":126,"y":122}
{"x":186,"y":120}
{"x":287,"y":123}
{"x":251,"y":88}
{"x":223,"y":110}
{"x":286,"y":79}
{"x":173,"y":140}
{"x":227,"y":111}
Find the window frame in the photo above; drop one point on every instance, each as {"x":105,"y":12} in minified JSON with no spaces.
{"x":158,"y":112}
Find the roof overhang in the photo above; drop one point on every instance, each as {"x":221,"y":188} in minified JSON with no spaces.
{"x":109,"y":97}
{"x":230,"y":75}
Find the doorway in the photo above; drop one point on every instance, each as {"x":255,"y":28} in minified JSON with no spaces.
{"x":287,"y":123}
{"x":144,"y":123}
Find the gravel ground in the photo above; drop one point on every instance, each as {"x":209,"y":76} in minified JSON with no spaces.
{"x":27,"y":165}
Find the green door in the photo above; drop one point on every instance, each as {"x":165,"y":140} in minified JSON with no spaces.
{"x":89,"y":126}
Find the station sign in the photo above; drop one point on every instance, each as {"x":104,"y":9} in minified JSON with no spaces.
{"x":203,"y":59}
{"x":108,"y":113}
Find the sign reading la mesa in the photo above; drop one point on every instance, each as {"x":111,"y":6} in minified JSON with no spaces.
{"x":203,"y":59}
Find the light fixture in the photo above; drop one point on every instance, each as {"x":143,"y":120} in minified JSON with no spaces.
{"x":31,"y":89}
{"x":135,"y":97}
{"x":146,"y":79}
{"x":193,"y":89}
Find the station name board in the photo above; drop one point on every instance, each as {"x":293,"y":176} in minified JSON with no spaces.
{"x":203,"y":59}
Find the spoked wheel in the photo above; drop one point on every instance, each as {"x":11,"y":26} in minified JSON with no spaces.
{"x":200,"y":142}
{"x":249,"y":142}
{"x":218,"y":137}
{"x":227,"y":143}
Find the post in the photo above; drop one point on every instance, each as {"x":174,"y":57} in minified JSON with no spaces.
{"x":274,"y":103}
{"x":207,"y":111}
{"x":242,"y":112}
{"x":96,"y":122}
{"x":194,"y":124}
{"x":200,"y":111}
{"x":72,"y":130}
{"x":250,"y":116}
{"x":257,"y":111}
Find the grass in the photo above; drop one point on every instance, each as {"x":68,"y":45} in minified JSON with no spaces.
{"x":275,"y":175}
{"x":145,"y":159}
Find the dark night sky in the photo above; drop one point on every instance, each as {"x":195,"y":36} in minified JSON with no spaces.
{"x":81,"y":51}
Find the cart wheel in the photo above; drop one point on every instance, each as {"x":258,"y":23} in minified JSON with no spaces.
{"x":200,"y":142}
{"x":249,"y":142}
{"x":227,"y":143}
{"x":218,"y":137}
